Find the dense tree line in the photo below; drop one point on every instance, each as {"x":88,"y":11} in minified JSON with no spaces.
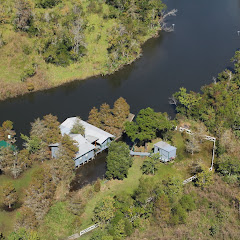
{"x":50,"y":175}
{"x":218,"y":108}
{"x":60,"y":26}
{"x":110,"y":120}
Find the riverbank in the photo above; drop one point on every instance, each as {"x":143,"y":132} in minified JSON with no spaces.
{"x":55,"y":76}
{"x":98,"y":39}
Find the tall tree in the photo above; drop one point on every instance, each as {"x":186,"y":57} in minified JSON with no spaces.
{"x":148,"y":124}
{"x":9,"y":194}
{"x":204,"y":178}
{"x":77,"y":127}
{"x":53,"y":134}
{"x":228,"y":165}
{"x":192,"y":144}
{"x":105,"y":112}
{"x":104,"y":210}
{"x":118,"y":160}
{"x":24,"y":159}
{"x":7,"y":132}
{"x":9,"y":162}
{"x":173,"y":188}
{"x":38,"y":129}
{"x":23,"y":16}
{"x":63,"y":165}
{"x":121,"y":111}
{"x":94,"y":117}
{"x":150,"y":164}
{"x":40,"y":193}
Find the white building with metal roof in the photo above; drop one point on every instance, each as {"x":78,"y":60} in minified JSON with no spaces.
{"x":94,"y":141}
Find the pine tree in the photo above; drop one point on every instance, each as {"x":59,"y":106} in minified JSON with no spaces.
{"x":38,"y":129}
{"x":105,"y":112}
{"x":9,"y":194}
{"x":6,"y":130}
{"x":94,"y":117}
{"x":40,"y":193}
{"x":63,"y":165}
{"x":53,"y":134}
{"x":121,"y":111}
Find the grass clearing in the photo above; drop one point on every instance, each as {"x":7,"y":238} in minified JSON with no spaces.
{"x":112,"y":187}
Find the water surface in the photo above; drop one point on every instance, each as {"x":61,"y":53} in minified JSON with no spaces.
{"x":202,"y":45}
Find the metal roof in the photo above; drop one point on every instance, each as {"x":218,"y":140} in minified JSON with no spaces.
{"x":90,"y":130}
{"x":91,"y":139}
{"x":83,"y":145}
{"x":165,"y":146}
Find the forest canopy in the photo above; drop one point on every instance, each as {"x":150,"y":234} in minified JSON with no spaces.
{"x":55,"y":41}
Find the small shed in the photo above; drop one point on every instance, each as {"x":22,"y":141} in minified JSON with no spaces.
{"x":166,"y":151}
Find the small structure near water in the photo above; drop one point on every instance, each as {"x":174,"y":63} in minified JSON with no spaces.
{"x":166,"y":151}
{"x":94,"y":141}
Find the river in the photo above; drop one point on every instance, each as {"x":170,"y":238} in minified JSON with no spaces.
{"x":204,"y":40}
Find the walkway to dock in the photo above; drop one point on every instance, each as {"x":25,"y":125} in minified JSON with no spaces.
{"x":141,"y":154}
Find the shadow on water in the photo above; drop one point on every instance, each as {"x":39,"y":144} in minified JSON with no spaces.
{"x":90,"y":172}
{"x":149,"y":48}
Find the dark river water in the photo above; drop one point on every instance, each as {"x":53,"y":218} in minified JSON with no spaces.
{"x":204,"y":40}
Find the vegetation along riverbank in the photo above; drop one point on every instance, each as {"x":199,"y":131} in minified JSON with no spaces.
{"x":46,"y":43}
{"x":36,"y":201}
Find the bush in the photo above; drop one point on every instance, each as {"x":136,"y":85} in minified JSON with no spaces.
{"x":179,"y":215}
{"x":26,"y":49}
{"x":29,"y":72}
{"x":187,"y":203}
{"x":213,"y":230}
{"x":47,"y":3}
{"x":97,"y":186}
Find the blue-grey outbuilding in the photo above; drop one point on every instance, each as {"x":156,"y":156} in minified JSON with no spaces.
{"x":166,"y":151}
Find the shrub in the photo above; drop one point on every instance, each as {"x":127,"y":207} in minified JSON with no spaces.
{"x":179,"y":215}
{"x":97,"y":185}
{"x":30,"y":87}
{"x":47,"y":3}
{"x":29,"y":72}
{"x":187,"y":203}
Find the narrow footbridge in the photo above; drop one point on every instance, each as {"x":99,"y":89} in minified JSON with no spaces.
{"x":141,"y":154}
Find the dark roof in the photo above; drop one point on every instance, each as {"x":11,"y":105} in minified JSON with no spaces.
{"x":165,"y":146}
{"x":54,"y":145}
